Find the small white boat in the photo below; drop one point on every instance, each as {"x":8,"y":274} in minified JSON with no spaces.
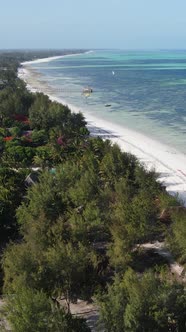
{"x":87,"y":90}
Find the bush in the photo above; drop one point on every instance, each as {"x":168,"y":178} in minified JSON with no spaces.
{"x":32,"y":311}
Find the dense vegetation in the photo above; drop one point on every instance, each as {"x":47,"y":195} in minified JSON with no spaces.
{"x":73,"y":228}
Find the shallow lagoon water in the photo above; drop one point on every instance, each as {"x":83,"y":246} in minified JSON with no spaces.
{"x":146,"y":90}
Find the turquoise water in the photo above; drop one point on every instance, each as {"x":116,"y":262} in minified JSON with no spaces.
{"x":146,"y":90}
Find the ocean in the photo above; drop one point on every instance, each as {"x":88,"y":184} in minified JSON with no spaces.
{"x":142,"y":90}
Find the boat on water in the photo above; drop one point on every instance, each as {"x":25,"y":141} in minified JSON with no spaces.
{"x":87,"y":90}
{"x":107,"y":105}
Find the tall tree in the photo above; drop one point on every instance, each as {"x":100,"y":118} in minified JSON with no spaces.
{"x":143,"y":303}
{"x":32,"y":311}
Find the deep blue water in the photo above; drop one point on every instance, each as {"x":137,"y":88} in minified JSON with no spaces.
{"x":146,"y":90}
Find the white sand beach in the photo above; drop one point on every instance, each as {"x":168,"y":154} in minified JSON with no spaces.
{"x":168,"y":162}
{"x":52,"y":58}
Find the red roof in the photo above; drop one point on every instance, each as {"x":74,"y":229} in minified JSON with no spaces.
{"x":7,"y":138}
{"x":21,"y":118}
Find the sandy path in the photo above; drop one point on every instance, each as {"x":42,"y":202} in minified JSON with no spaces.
{"x":160,"y":249}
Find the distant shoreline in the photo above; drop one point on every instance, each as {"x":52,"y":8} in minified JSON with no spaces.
{"x":169,"y":163}
{"x":52,"y":58}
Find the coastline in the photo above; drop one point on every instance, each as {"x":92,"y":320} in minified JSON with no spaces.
{"x":169,"y":163}
{"x":52,"y":58}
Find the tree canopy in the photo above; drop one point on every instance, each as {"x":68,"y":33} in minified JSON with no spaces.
{"x":74,"y":211}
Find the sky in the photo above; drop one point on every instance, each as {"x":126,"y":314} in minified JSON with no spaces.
{"x":93,"y":24}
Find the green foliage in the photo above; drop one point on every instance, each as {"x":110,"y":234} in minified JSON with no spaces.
{"x":16,"y":155}
{"x":145,"y":303}
{"x":38,"y":112}
{"x":55,"y":234}
{"x":49,"y":264}
{"x":39,"y":137}
{"x":15,"y":131}
{"x":28,"y":311}
{"x":177,"y":235}
{"x":115,"y":165}
{"x":67,"y":214}
{"x":166,"y":200}
{"x":86,"y":223}
{"x":43,"y":157}
{"x":80,"y":223}
{"x":32,"y":311}
{"x":21,"y":268}
{"x":70,"y":266}
{"x":8,"y":78}
{"x":11,"y":194}
{"x":46,"y":115}
{"x":16,"y":100}
{"x":133,"y":220}
{"x":112,"y":306}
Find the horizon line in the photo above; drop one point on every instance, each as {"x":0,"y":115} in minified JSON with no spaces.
{"x":91,"y":49}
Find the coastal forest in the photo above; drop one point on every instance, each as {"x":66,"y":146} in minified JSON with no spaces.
{"x":76,"y":215}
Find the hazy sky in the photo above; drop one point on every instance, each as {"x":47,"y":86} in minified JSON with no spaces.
{"x":125,"y":24}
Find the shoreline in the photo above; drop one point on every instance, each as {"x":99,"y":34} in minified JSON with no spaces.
{"x":52,"y":58}
{"x":169,"y":163}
